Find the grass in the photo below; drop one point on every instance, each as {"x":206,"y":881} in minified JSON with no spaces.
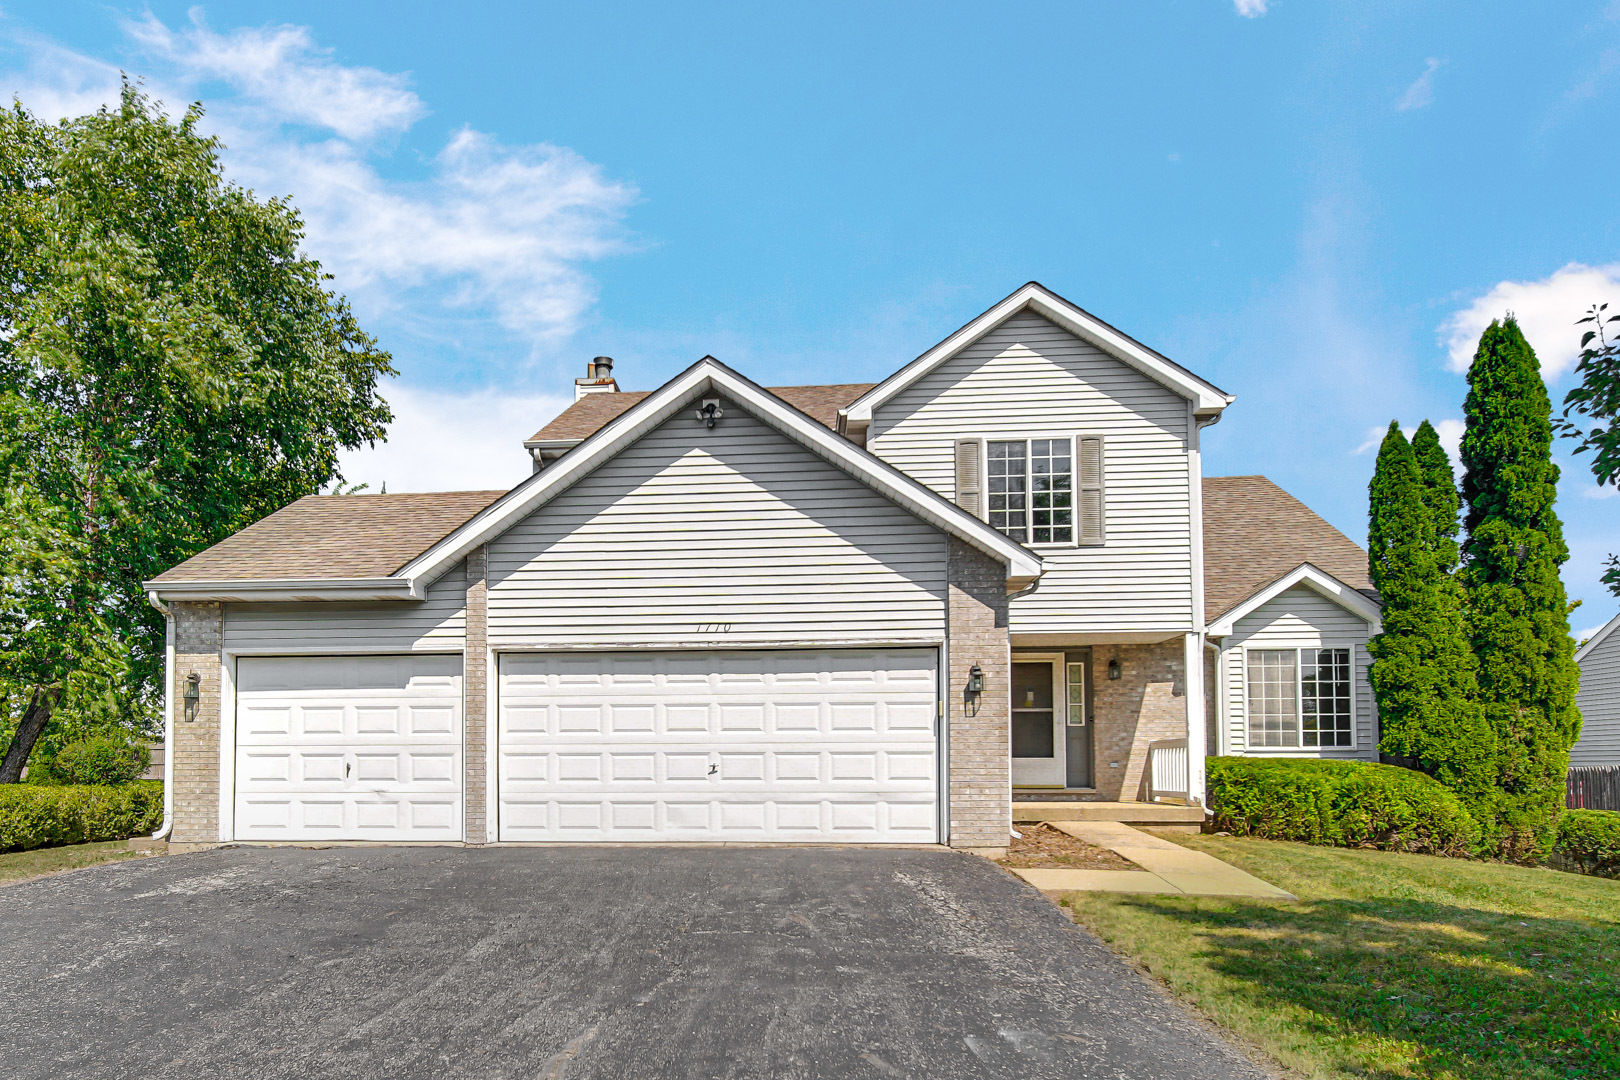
{"x":17,"y":865}
{"x":1391,"y":965}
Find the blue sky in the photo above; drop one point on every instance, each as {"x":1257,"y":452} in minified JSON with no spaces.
{"x":1314,"y":205}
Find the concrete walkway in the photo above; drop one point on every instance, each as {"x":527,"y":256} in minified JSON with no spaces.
{"x":1167,"y":868}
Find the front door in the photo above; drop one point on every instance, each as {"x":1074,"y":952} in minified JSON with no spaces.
{"x":1037,"y":722}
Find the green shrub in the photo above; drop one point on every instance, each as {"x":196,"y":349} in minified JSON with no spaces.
{"x":98,"y":760}
{"x":34,"y":816}
{"x":1339,"y":804}
{"x":1588,"y":841}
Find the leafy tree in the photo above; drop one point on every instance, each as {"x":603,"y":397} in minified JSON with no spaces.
{"x":1423,"y":671}
{"x":172,"y":368}
{"x":1598,"y":398}
{"x":1517,"y":610}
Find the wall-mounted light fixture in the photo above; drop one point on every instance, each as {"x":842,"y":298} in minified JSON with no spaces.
{"x":192,"y":695}
{"x":709,"y":411}
{"x":1113,"y":668}
{"x":975,"y":683}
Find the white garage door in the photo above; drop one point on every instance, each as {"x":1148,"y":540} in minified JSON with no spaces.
{"x":783,"y":745}
{"x":348,"y":748}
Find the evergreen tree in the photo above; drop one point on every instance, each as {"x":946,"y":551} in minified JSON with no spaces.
{"x":1439,"y":494}
{"x":1518,"y":614}
{"x":1423,"y":672}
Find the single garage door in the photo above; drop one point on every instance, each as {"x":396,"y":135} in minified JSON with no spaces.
{"x":768,"y":745}
{"x":348,"y":748}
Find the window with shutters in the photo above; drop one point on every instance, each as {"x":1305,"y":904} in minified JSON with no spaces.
{"x":1035,"y":490}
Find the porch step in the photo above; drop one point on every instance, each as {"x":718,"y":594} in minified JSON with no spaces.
{"x":1164,"y":815}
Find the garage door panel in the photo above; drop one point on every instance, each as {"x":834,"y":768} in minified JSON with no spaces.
{"x":344,"y":748}
{"x":758,"y":745}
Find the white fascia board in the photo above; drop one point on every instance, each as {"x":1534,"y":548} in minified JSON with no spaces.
{"x":1597,"y":639}
{"x":1310,"y":576}
{"x":1207,"y":399}
{"x":708,"y":374}
{"x":551,"y":444}
{"x":286,"y":589}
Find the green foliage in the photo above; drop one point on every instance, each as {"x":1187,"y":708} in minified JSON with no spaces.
{"x":1598,"y":398}
{"x":1518,"y":613}
{"x":1339,"y":804}
{"x":102,"y":760}
{"x":34,"y":817}
{"x":1423,"y":671}
{"x":172,"y":369}
{"x":1440,"y":495}
{"x":1589,"y":841}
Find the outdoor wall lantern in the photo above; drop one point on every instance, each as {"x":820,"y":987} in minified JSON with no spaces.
{"x":709,"y":411}
{"x":1113,"y":668}
{"x":975,"y":683}
{"x":192,"y":695}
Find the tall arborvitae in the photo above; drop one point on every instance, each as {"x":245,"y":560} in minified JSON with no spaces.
{"x":1439,"y":495}
{"x":1518,"y":615}
{"x":1422,"y":672}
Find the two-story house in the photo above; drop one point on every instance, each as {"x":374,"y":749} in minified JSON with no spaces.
{"x":719,"y":612}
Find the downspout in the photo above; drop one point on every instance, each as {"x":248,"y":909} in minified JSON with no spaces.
{"x":168,"y":718}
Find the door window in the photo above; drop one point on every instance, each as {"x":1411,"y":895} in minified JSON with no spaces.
{"x":1032,"y":707}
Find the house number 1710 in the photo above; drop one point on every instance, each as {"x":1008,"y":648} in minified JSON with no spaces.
{"x":714,"y":628}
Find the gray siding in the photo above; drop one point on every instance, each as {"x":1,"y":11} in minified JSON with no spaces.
{"x":1030,"y":378}
{"x":719,"y":536}
{"x":1599,"y":702}
{"x":1299,"y":618}
{"x":437,"y":624}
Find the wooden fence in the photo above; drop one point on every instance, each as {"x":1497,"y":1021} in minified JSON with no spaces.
{"x":1593,"y":787}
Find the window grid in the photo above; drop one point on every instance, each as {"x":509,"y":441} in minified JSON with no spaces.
{"x":1324,"y":697}
{"x":1300,"y":697}
{"x":1273,"y":698}
{"x":1032,"y":489}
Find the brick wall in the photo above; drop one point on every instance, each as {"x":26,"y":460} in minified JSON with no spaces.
{"x":1146,"y":703}
{"x":196,"y":741}
{"x":980,"y":739}
{"x":475,"y":691}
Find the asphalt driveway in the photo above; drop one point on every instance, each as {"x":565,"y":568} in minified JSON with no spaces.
{"x":571,"y":962}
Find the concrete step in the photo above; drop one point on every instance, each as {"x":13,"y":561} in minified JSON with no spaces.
{"x":1158,"y":815}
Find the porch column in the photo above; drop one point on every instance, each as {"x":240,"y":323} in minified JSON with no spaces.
{"x":196,"y":770}
{"x":980,"y":782}
{"x":475,"y":698}
{"x":1197,"y":717}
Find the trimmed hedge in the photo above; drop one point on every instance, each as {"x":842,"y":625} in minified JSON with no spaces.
{"x":1339,"y":804}
{"x":35,"y":816}
{"x":1588,"y":842}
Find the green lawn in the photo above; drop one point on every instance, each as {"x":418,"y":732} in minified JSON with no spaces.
{"x":1390,"y":965}
{"x":17,"y":865}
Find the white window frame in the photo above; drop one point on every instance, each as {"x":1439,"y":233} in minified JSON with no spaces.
{"x":1299,"y":699}
{"x":1072,"y":438}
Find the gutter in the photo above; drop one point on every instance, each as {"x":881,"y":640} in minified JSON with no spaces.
{"x":168,"y":719}
{"x":287,"y":589}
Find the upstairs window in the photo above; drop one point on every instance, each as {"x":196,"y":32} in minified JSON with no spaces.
{"x":1300,"y":698}
{"x":1037,"y":491}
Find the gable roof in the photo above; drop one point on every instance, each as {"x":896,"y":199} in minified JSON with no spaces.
{"x":1208,"y":399}
{"x":1597,"y":639}
{"x":325,"y":538}
{"x":590,"y":413}
{"x":1255,"y":532}
{"x":1313,"y":578}
{"x":708,"y":376}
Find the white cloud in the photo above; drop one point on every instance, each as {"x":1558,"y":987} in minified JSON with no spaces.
{"x":488,"y":232}
{"x":447,"y":441}
{"x":1546,"y":310}
{"x":1250,"y":9}
{"x":1450,"y":432}
{"x":1596,"y":491}
{"x":1421,"y":92}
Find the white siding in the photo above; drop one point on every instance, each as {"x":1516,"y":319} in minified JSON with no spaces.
{"x":437,"y":624}
{"x":1030,"y":378}
{"x":1299,"y":618}
{"x":1599,"y":702}
{"x":729,"y":535}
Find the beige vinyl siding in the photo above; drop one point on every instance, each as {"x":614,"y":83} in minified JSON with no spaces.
{"x":1599,"y":702}
{"x":1030,"y":378}
{"x":436,"y":624}
{"x":729,"y":535}
{"x":1299,"y":618}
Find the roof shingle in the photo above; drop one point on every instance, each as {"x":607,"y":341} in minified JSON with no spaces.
{"x":1254,"y":532}
{"x":592,"y":412}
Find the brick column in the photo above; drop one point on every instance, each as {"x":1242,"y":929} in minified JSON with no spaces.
{"x":197,"y":630}
{"x":980,"y":783}
{"x":475,"y":696}
{"x":1146,"y":703}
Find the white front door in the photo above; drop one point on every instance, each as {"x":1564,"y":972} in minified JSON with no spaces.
{"x":756,"y":745}
{"x":348,"y":748}
{"x":1037,"y":721}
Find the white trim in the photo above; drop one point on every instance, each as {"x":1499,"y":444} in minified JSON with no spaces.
{"x":1299,"y":699}
{"x":1197,"y":722}
{"x":709,"y":376}
{"x":1070,"y":436}
{"x":1597,"y":639}
{"x":551,"y":444}
{"x":1058,"y":663}
{"x":288,"y":589}
{"x":1310,"y":576}
{"x":1206,"y":397}
{"x":227,"y":745}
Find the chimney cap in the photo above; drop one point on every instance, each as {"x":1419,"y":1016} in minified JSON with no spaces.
{"x":602,"y":367}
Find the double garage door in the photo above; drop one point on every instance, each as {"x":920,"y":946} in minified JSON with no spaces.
{"x":766,"y":745}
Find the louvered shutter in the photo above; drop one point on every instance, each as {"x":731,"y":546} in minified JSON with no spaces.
{"x":969,"y":482}
{"x":1089,"y":488}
